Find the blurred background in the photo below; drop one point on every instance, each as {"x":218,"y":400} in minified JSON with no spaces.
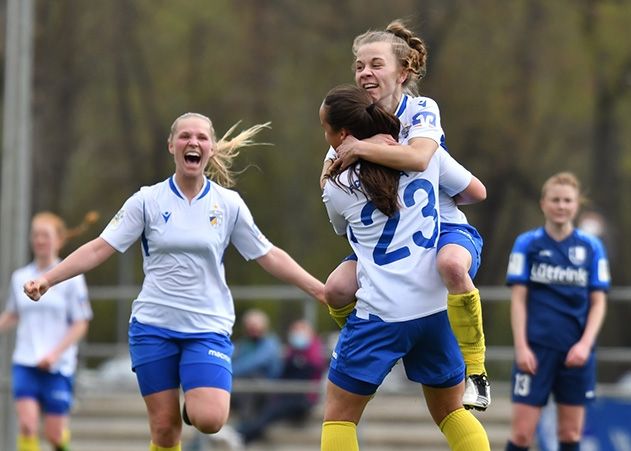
{"x":526,"y":88}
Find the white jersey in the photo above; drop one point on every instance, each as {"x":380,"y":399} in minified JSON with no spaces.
{"x":420,"y":118}
{"x":43,"y":325}
{"x":183,"y":245}
{"x":396,"y":267}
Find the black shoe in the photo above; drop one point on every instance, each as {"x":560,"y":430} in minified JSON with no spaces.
{"x":185,"y":418}
{"x":477,"y":393}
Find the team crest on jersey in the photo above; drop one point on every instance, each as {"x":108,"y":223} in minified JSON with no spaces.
{"x":216,"y":216}
{"x":577,"y":254}
{"x":117,"y":220}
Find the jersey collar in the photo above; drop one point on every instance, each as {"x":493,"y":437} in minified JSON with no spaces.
{"x":205,"y":190}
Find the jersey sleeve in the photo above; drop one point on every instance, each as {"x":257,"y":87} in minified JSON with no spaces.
{"x":518,"y":271}
{"x":245,"y":235}
{"x":127,"y":225}
{"x":599,"y":276}
{"x":426,"y":121}
{"x":453,"y":178}
{"x":330,"y":196}
{"x":77,"y":299}
{"x":331,"y":154}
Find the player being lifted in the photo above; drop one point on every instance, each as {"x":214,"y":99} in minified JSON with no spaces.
{"x":388,"y":65}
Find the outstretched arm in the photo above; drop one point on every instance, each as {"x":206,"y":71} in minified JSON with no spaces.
{"x":279,"y":263}
{"x":85,"y":258}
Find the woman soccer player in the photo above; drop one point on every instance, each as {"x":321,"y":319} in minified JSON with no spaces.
{"x":182,"y":319}
{"x":388,"y":65}
{"x":392,"y":221}
{"x":45,"y":355}
{"x":559,"y":276}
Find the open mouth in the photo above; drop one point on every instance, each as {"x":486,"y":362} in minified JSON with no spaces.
{"x":192,"y":157}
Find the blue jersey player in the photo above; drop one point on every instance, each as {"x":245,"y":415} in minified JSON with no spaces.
{"x":182,"y":319}
{"x":559,"y":276}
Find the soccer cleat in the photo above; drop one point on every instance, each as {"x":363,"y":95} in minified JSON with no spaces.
{"x":185,"y":418}
{"x":477,"y":392}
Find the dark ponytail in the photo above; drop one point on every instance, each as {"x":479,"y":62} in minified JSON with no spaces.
{"x":350,"y":107}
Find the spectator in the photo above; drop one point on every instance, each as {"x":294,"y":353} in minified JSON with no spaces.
{"x":304,"y":360}
{"x":257,"y":355}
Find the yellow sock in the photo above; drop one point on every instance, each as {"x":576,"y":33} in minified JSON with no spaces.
{"x":464,"y":432}
{"x":341,"y":314}
{"x":339,"y":436}
{"x":465,"y":316}
{"x":65,"y":441}
{"x":28,"y":443}
{"x":154,"y":447}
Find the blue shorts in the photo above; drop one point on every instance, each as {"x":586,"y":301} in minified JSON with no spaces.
{"x":53,"y":391}
{"x":164,"y":359}
{"x":464,"y":235}
{"x":572,"y":386}
{"x":367,"y":349}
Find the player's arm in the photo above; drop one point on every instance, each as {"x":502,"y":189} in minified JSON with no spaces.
{"x":85,"y":258}
{"x":475,"y":192}
{"x":281,"y":265}
{"x":384,"y":150}
{"x":75,"y":332}
{"x":8,"y":320}
{"x":579,"y":353}
{"x":524,"y":357}
{"x":326,"y":169}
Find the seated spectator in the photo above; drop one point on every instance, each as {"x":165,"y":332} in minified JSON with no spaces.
{"x":304,"y":360}
{"x":258,"y":354}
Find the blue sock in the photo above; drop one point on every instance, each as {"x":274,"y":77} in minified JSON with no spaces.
{"x":510,"y":446}
{"x":569,"y":446}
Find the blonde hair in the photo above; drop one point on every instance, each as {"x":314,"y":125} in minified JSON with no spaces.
{"x":564,"y":178}
{"x":226,"y":149}
{"x":62,"y":231}
{"x":409,"y":50}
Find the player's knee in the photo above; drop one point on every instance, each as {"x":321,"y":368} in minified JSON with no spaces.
{"x":453,"y":270}
{"x":569,"y":433}
{"x":339,"y":292}
{"x":210,"y":424}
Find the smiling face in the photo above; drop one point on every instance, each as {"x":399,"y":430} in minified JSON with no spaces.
{"x":560,"y":204}
{"x":378,"y":72}
{"x":191,"y":144}
{"x":333,"y":137}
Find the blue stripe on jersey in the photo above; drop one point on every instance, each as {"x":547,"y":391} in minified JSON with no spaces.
{"x":404,"y":103}
{"x":174,"y":188}
{"x":143,"y":237}
{"x":206,"y":189}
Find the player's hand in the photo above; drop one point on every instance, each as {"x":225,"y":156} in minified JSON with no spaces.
{"x":382,"y":138}
{"x":47,"y":362}
{"x":577,"y":355}
{"x":345,"y":154}
{"x":35,"y":289}
{"x":526,"y":360}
